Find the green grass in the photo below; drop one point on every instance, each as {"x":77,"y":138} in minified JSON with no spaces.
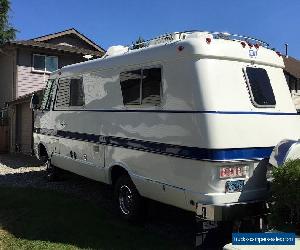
{"x":40,"y":219}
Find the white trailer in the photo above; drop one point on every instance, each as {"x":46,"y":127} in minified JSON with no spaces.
{"x":189,"y":119}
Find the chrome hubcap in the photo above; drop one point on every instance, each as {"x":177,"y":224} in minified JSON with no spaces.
{"x":125,"y":199}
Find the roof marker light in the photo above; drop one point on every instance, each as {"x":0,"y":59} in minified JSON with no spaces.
{"x":180,"y":48}
{"x":278,"y":53}
{"x":208,"y":40}
{"x":243,"y":44}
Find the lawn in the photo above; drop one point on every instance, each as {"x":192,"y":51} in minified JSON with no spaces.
{"x":41,"y":219}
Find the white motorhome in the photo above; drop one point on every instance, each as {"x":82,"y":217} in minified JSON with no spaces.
{"x":191,"y":119}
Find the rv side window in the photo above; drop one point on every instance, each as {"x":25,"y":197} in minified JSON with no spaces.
{"x":141,"y":87}
{"x":70,"y":93}
{"x":48,"y":95}
{"x":63,"y":94}
{"x":76,"y":92}
{"x":151,"y":85}
{"x":130,"y":85}
{"x":260,"y":88}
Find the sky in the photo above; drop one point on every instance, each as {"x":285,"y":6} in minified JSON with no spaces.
{"x":116,"y":22}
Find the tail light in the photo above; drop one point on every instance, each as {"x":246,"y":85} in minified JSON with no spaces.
{"x":208,"y":40}
{"x":278,"y":53}
{"x":243,"y":44}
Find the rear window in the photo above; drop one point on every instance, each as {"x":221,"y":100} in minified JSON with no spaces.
{"x":260,"y":88}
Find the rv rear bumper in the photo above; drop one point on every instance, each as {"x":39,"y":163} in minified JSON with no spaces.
{"x":231,"y":211}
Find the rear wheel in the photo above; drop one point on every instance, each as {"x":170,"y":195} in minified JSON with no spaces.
{"x":128,"y":200}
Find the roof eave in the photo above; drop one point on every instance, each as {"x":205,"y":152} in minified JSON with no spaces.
{"x":93,"y":53}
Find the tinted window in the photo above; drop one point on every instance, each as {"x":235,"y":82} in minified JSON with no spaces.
{"x":76,"y":92}
{"x":39,"y":62}
{"x":51,"y":63}
{"x":141,"y":87}
{"x":130,"y":86}
{"x":63,"y":94}
{"x":70,"y":93}
{"x":151,"y":86}
{"x":260,"y":87}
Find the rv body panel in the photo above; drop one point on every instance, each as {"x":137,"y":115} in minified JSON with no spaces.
{"x":206,"y":119}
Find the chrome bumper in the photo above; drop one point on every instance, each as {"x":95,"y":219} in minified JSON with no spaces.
{"x":231,"y":211}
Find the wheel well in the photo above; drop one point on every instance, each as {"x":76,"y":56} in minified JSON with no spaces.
{"x":117,"y":172}
{"x":42,"y":151}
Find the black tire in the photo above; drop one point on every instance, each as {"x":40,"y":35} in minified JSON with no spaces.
{"x":128,"y":201}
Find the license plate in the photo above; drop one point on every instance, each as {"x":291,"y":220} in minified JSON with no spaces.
{"x":234,"y":186}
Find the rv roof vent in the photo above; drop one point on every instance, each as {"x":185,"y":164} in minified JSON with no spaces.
{"x":116,"y":50}
{"x":196,"y":34}
{"x":166,"y":38}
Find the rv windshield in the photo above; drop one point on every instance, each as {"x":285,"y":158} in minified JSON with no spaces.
{"x":260,"y":87}
{"x":48,"y":95}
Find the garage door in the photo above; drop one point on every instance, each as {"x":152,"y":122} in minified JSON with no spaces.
{"x":24,"y":128}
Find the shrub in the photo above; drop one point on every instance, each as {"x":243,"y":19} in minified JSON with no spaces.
{"x":285,"y":205}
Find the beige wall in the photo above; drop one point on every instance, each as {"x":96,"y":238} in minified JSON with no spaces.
{"x":24,"y":127}
{"x":7,"y":67}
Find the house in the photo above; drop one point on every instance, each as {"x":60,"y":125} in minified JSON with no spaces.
{"x":24,"y":69}
{"x":292,"y":74}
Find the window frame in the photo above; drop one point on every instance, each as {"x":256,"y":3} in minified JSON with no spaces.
{"x":42,"y":71}
{"x":141,"y":105}
{"x":255,"y":104}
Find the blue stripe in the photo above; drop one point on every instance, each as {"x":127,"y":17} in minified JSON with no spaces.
{"x":181,"y":111}
{"x":164,"y":148}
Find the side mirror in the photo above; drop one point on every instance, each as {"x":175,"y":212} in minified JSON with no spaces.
{"x":34,"y":102}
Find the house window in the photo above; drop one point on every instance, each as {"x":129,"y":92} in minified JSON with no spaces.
{"x":141,"y":87}
{"x":259,"y":86}
{"x":45,"y":64}
{"x":70,"y":93}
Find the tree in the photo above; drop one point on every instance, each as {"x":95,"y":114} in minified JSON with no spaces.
{"x":139,"y":43}
{"x":7,"y":32}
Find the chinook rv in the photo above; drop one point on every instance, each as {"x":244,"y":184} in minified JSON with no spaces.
{"x":191,"y":119}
